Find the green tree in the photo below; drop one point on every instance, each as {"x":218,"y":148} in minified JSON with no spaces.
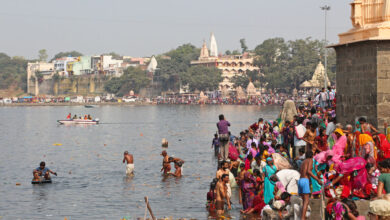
{"x":42,"y":55}
{"x":240,"y":80}
{"x":236,"y":52}
{"x":170,"y":71}
{"x":244,"y":47}
{"x":13,"y":72}
{"x":66,"y":54}
{"x":228,"y":52}
{"x":132,"y":79}
{"x":202,"y":78}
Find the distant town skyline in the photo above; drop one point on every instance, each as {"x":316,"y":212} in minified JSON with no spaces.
{"x":146,"y":28}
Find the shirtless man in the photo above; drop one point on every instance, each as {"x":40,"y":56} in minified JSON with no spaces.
{"x":310,"y":136}
{"x":177,"y":172}
{"x":130,"y":163}
{"x":166,"y":166}
{"x":223,"y":169}
{"x":303,"y":183}
{"x":221,"y":196}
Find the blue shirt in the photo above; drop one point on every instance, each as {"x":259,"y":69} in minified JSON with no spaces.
{"x":44,"y":170}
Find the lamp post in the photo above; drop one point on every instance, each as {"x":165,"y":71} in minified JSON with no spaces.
{"x":326,"y":8}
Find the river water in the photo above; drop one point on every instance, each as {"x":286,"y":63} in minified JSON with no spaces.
{"x":91,"y":182}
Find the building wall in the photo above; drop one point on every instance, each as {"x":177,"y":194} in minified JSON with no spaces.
{"x":363,"y":82}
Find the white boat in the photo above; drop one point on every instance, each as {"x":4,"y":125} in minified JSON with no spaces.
{"x":78,"y":121}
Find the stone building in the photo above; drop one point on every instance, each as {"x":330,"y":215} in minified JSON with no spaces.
{"x":363,"y":64}
{"x":317,"y":81}
{"x":230,"y":65}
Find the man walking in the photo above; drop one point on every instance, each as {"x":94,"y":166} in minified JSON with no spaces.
{"x":223,"y":132}
{"x":130,"y":163}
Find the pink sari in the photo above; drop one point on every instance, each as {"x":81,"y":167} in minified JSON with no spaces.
{"x":338,"y":149}
{"x":354,"y":164}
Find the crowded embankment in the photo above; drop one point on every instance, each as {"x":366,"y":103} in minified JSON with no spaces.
{"x":278,"y":167}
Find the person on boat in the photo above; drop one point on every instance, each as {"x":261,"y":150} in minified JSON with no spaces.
{"x":69,"y":116}
{"x":89,"y":117}
{"x":130,"y":163}
{"x":166,"y":166}
{"x":42,"y":171}
{"x":74,"y":117}
{"x":85,"y":117}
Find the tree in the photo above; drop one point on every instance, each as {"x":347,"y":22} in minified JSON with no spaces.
{"x":202,"y":78}
{"x":115,"y":56}
{"x":240,"y":80}
{"x":13,"y":72}
{"x":170,"y":71}
{"x":236,"y":52}
{"x":133,"y":78}
{"x":42,"y":55}
{"x":228,"y":52}
{"x":66,"y":54}
{"x":244,"y":47}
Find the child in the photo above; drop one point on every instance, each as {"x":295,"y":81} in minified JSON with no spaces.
{"x":300,"y":158}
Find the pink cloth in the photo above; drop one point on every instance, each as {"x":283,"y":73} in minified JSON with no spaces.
{"x":338,"y":149}
{"x":280,"y":162}
{"x":321,"y":157}
{"x":350,"y":165}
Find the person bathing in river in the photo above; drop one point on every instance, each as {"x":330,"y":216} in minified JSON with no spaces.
{"x":178,"y":170}
{"x":130,"y":163}
{"x":222,"y":195}
{"x":42,"y":171}
{"x":166,"y":166}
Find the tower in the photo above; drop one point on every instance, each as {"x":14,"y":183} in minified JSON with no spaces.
{"x":204,"y":52}
{"x":213,"y":46}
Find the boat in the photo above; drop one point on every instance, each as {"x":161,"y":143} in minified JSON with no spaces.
{"x":89,"y":106}
{"x":78,"y":121}
{"x":41,"y":181}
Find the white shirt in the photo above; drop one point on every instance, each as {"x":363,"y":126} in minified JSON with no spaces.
{"x":289,"y":178}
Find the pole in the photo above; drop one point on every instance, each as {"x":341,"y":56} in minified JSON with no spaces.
{"x":326,"y":8}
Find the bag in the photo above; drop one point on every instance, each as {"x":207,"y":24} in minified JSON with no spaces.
{"x":224,"y":137}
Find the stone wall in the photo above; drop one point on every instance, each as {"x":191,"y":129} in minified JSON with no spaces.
{"x":81,"y":85}
{"x":363,"y":82}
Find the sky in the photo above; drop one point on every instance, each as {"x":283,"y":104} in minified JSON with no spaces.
{"x":150,"y":27}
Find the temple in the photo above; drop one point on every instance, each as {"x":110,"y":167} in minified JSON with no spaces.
{"x":230,"y":65}
{"x":370,"y":21}
{"x":363,"y":64}
{"x":317,"y":81}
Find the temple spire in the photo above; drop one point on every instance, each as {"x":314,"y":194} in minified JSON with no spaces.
{"x":213,"y":46}
{"x":204,"y":52}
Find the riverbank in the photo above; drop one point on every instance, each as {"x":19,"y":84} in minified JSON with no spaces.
{"x":75,"y":104}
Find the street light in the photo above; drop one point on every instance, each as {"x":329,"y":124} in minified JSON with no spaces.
{"x":326,"y":8}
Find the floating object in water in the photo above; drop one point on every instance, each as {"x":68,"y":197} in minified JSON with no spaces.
{"x":42,"y":181}
{"x":78,"y":121}
{"x":164,"y":142}
{"x":18,"y":184}
{"x":141,"y":134}
{"x":57,"y":144}
{"x":70,"y":172}
{"x":89,"y":106}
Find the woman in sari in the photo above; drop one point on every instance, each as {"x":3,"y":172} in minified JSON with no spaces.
{"x":384,"y":148}
{"x":366,"y":146}
{"x":338,"y":148}
{"x":269,"y":185}
{"x":248,"y":189}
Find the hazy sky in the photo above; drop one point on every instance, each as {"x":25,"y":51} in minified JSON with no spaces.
{"x":147,"y":27}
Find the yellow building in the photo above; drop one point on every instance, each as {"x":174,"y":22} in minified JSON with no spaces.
{"x":230,"y":65}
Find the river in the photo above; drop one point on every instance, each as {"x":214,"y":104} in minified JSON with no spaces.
{"x":91,"y":181}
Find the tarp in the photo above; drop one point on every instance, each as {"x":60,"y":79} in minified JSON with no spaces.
{"x":27,"y":97}
{"x":67,"y":98}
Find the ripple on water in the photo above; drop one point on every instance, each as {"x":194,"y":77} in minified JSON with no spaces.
{"x":91,"y":182}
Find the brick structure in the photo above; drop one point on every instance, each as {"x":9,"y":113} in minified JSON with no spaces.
{"x":363,"y":81}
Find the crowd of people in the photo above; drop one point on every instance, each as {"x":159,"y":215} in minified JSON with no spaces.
{"x":86,"y":117}
{"x":278,"y":166}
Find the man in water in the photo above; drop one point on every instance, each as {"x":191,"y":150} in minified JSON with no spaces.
{"x":223,"y":132}
{"x":223,"y":169}
{"x":177,"y":172}
{"x":130,"y":163}
{"x":42,"y":171}
{"x":221,"y":196}
{"x":166,"y":166}
{"x":304,"y":184}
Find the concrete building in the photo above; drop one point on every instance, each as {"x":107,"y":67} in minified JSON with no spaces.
{"x":61,"y":63}
{"x":36,"y":72}
{"x":82,"y":66}
{"x":230,"y":65}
